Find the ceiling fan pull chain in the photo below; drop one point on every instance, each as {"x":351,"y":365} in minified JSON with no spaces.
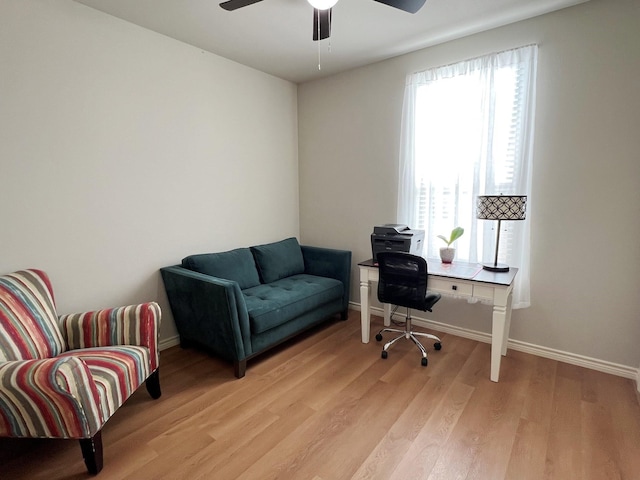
{"x":330,"y":23}
{"x":317,"y":12}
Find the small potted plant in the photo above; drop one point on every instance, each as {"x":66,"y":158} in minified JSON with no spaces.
{"x":448,"y":253}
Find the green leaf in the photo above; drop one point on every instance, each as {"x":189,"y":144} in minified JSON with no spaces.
{"x":456,"y":233}
{"x":444,"y":239}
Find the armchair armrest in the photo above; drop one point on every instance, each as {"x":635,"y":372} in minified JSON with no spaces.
{"x":52,"y":397}
{"x":210,"y":311}
{"x":131,"y":325}
{"x":327,"y":262}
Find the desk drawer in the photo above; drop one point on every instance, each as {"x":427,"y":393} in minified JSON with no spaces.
{"x":451,"y":287}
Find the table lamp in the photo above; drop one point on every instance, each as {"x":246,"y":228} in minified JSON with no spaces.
{"x":500,"y":207}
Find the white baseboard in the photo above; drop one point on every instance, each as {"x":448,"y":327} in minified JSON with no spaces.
{"x":574,"y":359}
{"x":169,"y":342}
{"x":561,"y":356}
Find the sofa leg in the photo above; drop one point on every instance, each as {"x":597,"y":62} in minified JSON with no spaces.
{"x":344,"y":315}
{"x":92,"y":452}
{"x":153,"y":384}
{"x":240,"y":368}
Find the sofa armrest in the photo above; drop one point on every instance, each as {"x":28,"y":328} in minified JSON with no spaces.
{"x":48,"y":398}
{"x":328,"y":262}
{"x":131,"y":325}
{"x":210,"y":311}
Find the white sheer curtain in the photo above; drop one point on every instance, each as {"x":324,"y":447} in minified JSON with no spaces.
{"x":467,"y":130}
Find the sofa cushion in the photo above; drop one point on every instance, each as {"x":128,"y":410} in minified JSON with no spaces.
{"x":237,"y":265}
{"x":278,"y":260}
{"x":270,"y":305}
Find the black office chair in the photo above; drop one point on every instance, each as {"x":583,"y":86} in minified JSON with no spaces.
{"x":403,"y":282}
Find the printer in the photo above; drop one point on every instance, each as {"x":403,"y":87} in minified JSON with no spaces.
{"x":396,"y":238}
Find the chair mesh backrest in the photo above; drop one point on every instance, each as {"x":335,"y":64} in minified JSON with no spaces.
{"x":28,"y":321}
{"x":403,"y":280}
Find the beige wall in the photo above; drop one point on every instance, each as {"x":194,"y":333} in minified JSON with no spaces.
{"x":585,"y":205}
{"x":122,"y":151}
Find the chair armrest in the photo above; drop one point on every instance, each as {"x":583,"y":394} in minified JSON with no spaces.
{"x":210,"y":311}
{"x":48,"y":398}
{"x":131,"y":325}
{"x":328,"y":262}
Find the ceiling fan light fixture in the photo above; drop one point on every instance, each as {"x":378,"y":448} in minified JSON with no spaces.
{"x":322,"y":4}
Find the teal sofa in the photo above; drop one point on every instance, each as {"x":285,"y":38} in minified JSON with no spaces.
{"x":239,"y":303}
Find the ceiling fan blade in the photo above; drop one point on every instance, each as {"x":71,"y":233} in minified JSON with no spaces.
{"x":235,"y":4}
{"x":411,"y":6}
{"x":324,"y":19}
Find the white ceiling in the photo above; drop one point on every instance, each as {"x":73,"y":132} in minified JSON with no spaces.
{"x":275,"y":36}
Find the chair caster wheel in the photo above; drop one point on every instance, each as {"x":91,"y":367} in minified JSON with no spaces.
{"x":378,"y":337}
{"x":384,"y":354}
{"x":424,"y":362}
{"x":437,"y":345}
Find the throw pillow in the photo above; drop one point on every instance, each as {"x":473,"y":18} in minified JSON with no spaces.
{"x":279,"y":259}
{"x":237,"y":265}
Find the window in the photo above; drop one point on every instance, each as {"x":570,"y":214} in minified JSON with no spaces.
{"x":467,"y":131}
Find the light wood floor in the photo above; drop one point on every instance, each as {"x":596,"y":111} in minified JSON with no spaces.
{"x":327,"y":407}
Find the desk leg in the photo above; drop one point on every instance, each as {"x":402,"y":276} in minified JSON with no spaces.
{"x":507,"y":326}
{"x":500,"y":332}
{"x":365,"y":319}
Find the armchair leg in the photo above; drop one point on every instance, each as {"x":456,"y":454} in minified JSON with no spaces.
{"x":240,"y":368}
{"x":153,"y":384}
{"x":92,"y":452}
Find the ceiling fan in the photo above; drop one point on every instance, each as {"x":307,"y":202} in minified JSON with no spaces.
{"x":322,"y":11}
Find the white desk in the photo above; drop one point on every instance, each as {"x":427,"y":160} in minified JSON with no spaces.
{"x":460,"y":280}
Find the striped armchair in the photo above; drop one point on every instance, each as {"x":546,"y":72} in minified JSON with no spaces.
{"x":63,"y":377}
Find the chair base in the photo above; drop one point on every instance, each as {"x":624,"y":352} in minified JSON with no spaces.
{"x":409,"y":334}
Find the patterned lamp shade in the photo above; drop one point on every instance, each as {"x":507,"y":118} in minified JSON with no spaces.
{"x":501,"y":207}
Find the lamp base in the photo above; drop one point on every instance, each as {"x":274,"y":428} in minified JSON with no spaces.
{"x":498,"y":267}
